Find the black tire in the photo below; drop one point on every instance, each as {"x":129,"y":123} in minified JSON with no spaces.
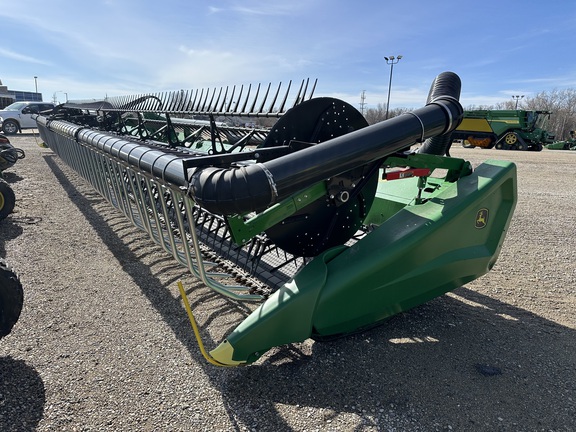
{"x":10,"y":127}
{"x":11,"y":298}
{"x":7,"y":199}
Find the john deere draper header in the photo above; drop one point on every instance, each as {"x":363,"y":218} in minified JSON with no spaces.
{"x":333,"y":225}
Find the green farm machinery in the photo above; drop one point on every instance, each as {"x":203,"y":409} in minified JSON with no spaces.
{"x":11,"y":298}
{"x":9,"y":155}
{"x":504,"y":129}
{"x":331,"y":224}
{"x":11,"y":292}
{"x":569,"y":144}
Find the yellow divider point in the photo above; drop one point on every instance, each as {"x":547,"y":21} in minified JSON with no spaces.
{"x":207,"y":356}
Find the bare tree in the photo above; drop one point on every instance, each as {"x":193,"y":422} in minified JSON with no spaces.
{"x":562,"y":104}
{"x":375,"y":115}
{"x":378,"y":114}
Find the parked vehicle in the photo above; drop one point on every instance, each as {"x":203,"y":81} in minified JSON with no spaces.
{"x":18,"y":116}
{"x":504,"y":129}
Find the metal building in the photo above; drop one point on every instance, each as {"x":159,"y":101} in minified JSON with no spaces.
{"x":10,"y":96}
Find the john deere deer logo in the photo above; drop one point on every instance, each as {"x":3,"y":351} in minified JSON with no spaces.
{"x":481,"y":218}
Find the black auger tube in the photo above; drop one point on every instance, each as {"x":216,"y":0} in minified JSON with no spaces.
{"x":228,"y":191}
{"x":447,"y":83}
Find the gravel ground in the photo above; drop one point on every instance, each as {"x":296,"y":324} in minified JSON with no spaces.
{"x":104,"y":342}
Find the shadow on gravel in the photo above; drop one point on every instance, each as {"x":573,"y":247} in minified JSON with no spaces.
{"x":463,"y":361}
{"x":9,"y":230}
{"x":22,"y":396}
{"x":158,"y":293}
{"x":11,"y":177}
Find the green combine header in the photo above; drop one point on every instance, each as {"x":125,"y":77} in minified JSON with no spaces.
{"x":569,"y":144}
{"x":331,"y":224}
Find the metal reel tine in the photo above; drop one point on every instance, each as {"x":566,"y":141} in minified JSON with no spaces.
{"x":199,"y":104}
{"x":209,"y":107}
{"x":154,"y":98}
{"x":281,"y":109}
{"x":203,"y":108}
{"x":313,"y":89}
{"x":271,"y":108}
{"x":175,"y":102}
{"x":149,"y":101}
{"x":169,"y":101}
{"x":192,"y":103}
{"x":264,"y":98}
{"x":305,"y":90}
{"x":255,"y":99}
{"x":243,"y":110}
{"x":183,"y":99}
{"x":297,"y":99}
{"x":239,"y":99}
{"x":214,"y":108}
{"x":221,"y":109}
{"x":131,"y":101}
{"x":147,"y":105}
{"x":231,"y":99}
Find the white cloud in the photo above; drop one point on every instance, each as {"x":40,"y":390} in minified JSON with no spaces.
{"x":20,"y":57}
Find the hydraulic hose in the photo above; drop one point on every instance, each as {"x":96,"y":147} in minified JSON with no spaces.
{"x":239,"y":190}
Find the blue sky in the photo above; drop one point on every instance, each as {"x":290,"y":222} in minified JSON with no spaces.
{"x":90,"y":49}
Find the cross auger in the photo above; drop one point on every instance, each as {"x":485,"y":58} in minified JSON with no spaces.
{"x":331,"y":224}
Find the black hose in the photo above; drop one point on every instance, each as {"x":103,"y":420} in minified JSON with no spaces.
{"x":445,"y":84}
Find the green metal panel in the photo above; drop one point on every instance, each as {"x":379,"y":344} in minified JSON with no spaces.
{"x":420,"y":253}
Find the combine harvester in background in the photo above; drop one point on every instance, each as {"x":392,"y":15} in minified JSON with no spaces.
{"x":332,"y":224}
{"x":504,"y":129}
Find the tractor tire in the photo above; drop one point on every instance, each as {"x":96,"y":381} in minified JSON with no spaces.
{"x":10,"y":127}
{"x":7,"y":199}
{"x":11,"y":298}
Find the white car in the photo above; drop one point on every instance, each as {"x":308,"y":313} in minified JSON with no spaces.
{"x":18,"y":116}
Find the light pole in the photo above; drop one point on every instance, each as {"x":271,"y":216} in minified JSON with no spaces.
{"x":391,"y":61}
{"x":517,"y":98}
{"x":36,"y":83}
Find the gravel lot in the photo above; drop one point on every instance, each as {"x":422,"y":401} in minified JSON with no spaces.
{"x":104,"y":343}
